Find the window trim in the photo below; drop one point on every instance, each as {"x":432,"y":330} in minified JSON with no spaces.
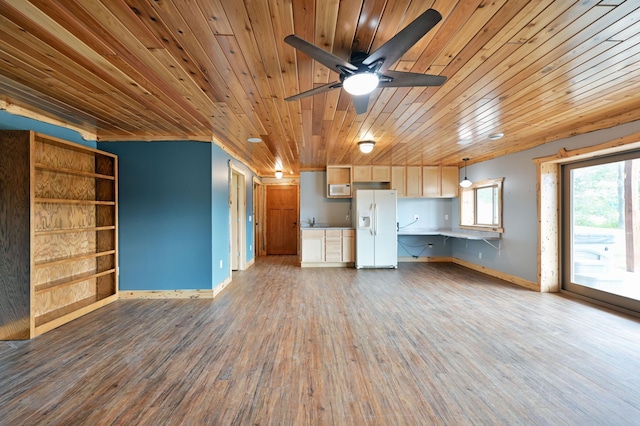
{"x":497,"y":182}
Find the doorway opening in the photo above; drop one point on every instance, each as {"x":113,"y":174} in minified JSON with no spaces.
{"x":237,"y":219}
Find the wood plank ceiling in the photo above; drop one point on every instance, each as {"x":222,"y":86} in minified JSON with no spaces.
{"x":219,"y":70}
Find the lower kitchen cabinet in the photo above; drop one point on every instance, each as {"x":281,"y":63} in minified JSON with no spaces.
{"x":312,"y":242}
{"x":348,"y":246}
{"x":327,"y":247}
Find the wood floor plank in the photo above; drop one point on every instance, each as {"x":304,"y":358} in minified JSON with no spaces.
{"x":423,"y":344}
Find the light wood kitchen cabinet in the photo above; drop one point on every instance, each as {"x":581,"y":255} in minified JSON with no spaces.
{"x":327,"y":247}
{"x":399,"y":180}
{"x":371,"y":173}
{"x":449,"y":184}
{"x":348,"y":245}
{"x":407,"y":180}
{"x":333,"y":245}
{"x":312,"y":242}
{"x":414,"y":181}
{"x":338,"y":175}
{"x":439,"y":181}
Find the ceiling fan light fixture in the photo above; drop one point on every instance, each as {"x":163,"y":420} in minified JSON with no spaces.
{"x":278,"y":174}
{"x":465,"y":182}
{"x":361,"y":83}
{"x":366,"y":146}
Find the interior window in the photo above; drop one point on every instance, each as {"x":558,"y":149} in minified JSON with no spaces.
{"x":481,"y":206}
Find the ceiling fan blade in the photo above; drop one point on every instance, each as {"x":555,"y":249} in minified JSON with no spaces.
{"x":411,"y":79}
{"x":319,"y":89}
{"x":326,"y":58}
{"x":399,"y":44}
{"x":361,"y":103}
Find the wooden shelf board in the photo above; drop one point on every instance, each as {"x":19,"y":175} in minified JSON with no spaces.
{"x":65,"y":201}
{"x":41,"y":166}
{"x":72,"y":230}
{"x":41,"y":288}
{"x":73,"y":258}
{"x":60,"y":316}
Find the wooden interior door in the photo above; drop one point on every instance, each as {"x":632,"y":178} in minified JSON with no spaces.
{"x":282,"y":219}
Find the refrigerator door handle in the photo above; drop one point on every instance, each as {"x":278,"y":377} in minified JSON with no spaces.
{"x":375,"y":219}
{"x":371,"y":219}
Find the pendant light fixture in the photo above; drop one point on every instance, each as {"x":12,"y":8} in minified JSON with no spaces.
{"x":466,"y":182}
{"x":366,"y":146}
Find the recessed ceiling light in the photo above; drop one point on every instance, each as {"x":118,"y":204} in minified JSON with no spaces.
{"x":496,"y":136}
{"x":464,"y":141}
{"x":254,"y":140}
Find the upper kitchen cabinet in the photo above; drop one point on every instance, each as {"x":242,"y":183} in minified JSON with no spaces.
{"x":399,"y":180}
{"x":339,"y":181}
{"x":407,"y":180}
{"x":414,"y":181}
{"x":440,"y":181}
{"x":371,"y":173}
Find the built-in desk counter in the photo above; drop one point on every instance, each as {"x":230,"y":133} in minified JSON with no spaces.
{"x":485,"y":236}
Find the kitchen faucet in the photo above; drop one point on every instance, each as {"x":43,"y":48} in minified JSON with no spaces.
{"x":313,"y":222}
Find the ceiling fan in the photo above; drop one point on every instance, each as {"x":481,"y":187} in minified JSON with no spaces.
{"x":364,"y":72}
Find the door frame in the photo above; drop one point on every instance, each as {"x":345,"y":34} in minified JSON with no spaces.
{"x":259,"y":238}
{"x":241,"y":213}
{"x":549,"y":198}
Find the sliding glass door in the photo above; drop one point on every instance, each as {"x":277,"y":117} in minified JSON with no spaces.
{"x":601,"y":222}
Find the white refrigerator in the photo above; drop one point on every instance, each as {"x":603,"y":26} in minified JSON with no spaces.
{"x":376,"y":228}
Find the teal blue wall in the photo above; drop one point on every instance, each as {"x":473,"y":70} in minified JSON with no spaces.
{"x":174,"y":214}
{"x":173,"y":209}
{"x":164,"y":204}
{"x":10,"y":121}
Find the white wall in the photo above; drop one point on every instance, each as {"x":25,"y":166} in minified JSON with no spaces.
{"x":518,"y":255}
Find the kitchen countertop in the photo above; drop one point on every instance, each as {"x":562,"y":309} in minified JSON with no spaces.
{"x":322,"y":227}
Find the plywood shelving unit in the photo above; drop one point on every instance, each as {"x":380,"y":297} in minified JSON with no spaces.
{"x":60,"y":258}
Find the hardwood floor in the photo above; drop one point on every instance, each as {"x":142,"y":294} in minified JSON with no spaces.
{"x":424,"y":344}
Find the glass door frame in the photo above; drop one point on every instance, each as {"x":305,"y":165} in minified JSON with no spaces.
{"x":567,"y":284}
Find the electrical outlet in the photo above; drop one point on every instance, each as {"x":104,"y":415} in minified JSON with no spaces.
{"x":430,"y":245}
{"x":347,"y":217}
{"x":250,"y":247}
{"x":480,"y":255}
{"x":416,"y":217}
{"x":446,"y":217}
{"x":220,"y":263}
